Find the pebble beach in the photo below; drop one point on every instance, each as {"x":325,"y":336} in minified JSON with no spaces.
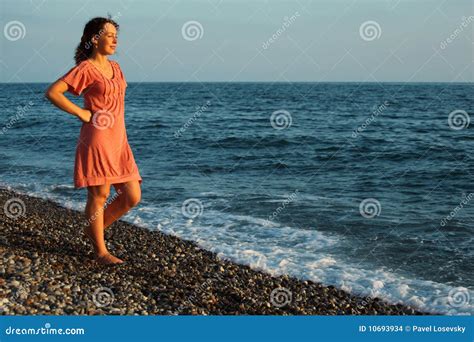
{"x":47,"y":268}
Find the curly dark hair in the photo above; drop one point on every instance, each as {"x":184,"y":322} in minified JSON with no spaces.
{"x":93,"y":28}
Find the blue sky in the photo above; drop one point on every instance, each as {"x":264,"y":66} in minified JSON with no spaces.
{"x":413,"y":40}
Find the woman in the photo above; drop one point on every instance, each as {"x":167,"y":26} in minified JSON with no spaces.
{"x":103,"y":155}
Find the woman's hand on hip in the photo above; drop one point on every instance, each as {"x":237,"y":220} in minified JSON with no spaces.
{"x":85,"y":115}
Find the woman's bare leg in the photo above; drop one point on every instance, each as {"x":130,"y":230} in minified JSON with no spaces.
{"x":128,"y":196}
{"x":96,"y":199}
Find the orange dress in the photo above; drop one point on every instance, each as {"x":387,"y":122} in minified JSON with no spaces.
{"x":103,"y":154}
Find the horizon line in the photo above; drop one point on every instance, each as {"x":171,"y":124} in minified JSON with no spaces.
{"x":280,"y":82}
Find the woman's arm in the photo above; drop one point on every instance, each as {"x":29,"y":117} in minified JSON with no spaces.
{"x":55,"y":94}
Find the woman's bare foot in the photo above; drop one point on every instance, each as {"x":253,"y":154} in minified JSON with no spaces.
{"x":108,"y":259}
{"x":105,"y":258}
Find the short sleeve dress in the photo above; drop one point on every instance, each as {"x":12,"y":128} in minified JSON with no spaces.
{"x":103,"y":154}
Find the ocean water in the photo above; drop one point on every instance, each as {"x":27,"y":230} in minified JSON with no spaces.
{"x":367,"y":187}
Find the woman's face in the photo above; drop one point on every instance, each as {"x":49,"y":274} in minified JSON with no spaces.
{"x":106,"y":41}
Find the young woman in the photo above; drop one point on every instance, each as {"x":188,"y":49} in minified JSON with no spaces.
{"x":103,"y":155}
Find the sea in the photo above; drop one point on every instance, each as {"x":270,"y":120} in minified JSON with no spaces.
{"x":368,"y":187}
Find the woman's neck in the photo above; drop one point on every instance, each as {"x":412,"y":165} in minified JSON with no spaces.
{"x":98,"y":59}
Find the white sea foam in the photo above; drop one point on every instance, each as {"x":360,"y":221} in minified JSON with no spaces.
{"x":308,"y":254}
